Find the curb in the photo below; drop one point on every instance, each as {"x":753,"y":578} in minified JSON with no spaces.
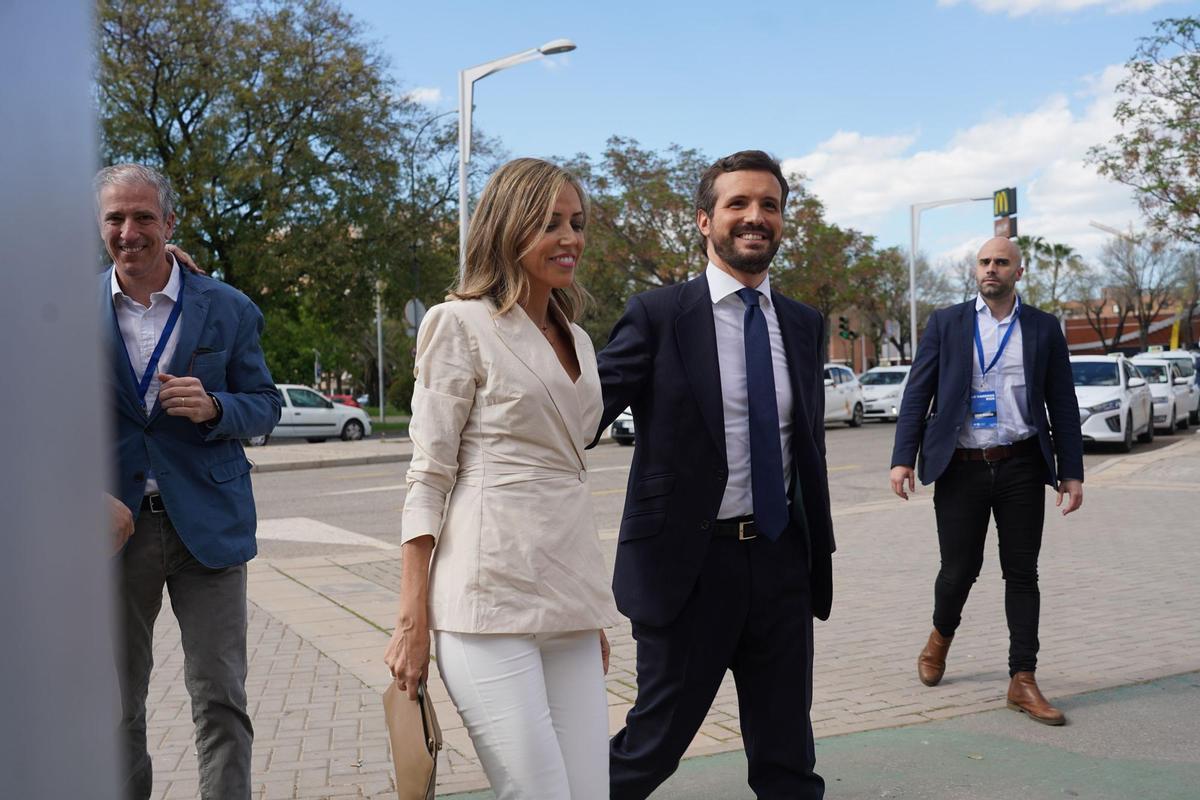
{"x":318,"y":463}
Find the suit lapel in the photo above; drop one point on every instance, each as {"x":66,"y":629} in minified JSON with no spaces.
{"x":192,"y":317}
{"x":1029,"y":348}
{"x":967,"y":331}
{"x":121,"y":377}
{"x":530,"y":347}
{"x":696,"y":338}
{"x":797,"y":341}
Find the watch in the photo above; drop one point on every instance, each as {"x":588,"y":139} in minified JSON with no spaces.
{"x":212,"y":423}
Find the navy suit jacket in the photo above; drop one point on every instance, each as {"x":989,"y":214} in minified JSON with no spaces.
{"x":661,"y":362}
{"x":202,"y":474}
{"x":935,"y":404}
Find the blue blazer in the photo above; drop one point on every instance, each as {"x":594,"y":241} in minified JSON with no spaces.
{"x":203,"y":475}
{"x":661,"y":362}
{"x":935,"y":404}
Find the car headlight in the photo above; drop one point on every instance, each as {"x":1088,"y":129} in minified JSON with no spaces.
{"x":1111,"y":405}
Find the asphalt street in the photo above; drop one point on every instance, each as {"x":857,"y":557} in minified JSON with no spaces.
{"x":368,"y":499}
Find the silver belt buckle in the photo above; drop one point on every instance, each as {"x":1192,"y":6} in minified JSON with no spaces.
{"x":156,"y":504}
{"x":742,"y":537}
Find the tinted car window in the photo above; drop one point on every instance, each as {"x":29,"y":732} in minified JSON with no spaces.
{"x":1153,"y":373}
{"x":1095,"y":373}
{"x":302,"y":398}
{"x":882,"y":379}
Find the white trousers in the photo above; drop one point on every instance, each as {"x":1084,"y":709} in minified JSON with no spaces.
{"x":536,"y":709}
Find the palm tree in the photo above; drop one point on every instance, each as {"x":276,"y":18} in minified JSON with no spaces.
{"x":1062,"y":261}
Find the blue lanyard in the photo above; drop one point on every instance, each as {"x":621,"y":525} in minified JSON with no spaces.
{"x":152,"y":365}
{"x":1003,"y":341}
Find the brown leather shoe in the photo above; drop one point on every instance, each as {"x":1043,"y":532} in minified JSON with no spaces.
{"x":1025,"y":696}
{"x":931,"y":664}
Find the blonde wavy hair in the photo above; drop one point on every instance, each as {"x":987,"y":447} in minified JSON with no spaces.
{"x":513,"y":211}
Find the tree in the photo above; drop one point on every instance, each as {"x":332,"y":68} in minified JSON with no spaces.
{"x":1189,"y":292}
{"x":1145,"y":272}
{"x":1050,"y":274}
{"x":1096,"y":302}
{"x":642,"y":227}
{"x":1157,"y":152}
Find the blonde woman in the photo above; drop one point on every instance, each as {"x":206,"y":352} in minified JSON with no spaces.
{"x":501,"y":558}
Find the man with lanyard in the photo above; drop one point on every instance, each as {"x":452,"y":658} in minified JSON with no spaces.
{"x":991,"y":409}
{"x":188,"y":381}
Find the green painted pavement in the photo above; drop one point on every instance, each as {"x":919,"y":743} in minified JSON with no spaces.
{"x":1140,"y":741}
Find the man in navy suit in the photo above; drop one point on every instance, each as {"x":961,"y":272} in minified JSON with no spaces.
{"x":985,"y":376}
{"x":723,"y":556}
{"x":188,"y":381}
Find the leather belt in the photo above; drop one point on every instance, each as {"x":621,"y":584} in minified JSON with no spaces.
{"x":1000,"y":453}
{"x":741,"y":528}
{"x":153,"y":503}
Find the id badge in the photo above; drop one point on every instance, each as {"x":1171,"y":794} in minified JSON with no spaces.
{"x":983,"y":409}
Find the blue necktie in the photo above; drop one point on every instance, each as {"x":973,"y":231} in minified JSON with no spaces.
{"x":766,"y":459}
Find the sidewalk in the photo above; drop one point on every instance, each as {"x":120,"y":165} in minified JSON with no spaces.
{"x":1119,"y":608}
{"x":334,"y":453}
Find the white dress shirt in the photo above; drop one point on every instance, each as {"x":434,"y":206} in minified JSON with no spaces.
{"x":728,"y":313}
{"x":1006,"y":379}
{"x":141,"y":329}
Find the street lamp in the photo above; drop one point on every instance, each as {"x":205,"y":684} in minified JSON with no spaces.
{"x":915,"y":210}
{"x":466,"y":87}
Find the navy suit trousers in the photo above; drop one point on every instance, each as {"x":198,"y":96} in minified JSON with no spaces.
{"x":750,"y":612}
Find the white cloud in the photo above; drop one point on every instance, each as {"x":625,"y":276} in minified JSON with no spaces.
{"x":425,"y":95}
{"x":869,"y":181}
{"x":1018,"y":8}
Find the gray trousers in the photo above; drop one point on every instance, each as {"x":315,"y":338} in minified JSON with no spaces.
{"x":210,"y":605}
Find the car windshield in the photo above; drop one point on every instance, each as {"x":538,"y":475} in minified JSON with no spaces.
{"x":1153,"y":373}
{"x":1095,"y":373}
{"x":882,"y":378}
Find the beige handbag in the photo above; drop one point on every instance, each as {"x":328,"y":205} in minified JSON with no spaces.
{"x":416,"y":739}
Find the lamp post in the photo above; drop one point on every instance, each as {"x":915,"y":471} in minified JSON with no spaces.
{"x":466,"y":88}
{"x":915,"y":210}
{"x":379,"y":344}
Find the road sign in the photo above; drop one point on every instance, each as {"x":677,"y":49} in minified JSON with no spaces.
{"x":414,"y":312}
{"x":1005,"y":227}
{"x":1004,"y":202}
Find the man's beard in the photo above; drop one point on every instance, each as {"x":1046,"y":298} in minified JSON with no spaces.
{"x":750,"y":263}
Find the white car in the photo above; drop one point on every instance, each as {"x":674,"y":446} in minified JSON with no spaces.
{"x":843,"y":396}
{"x":1114,"y":401}
{"x":1187,"y":368}
{"x":1168,"y":389}
{"x":307,"y":414}
{"x":882,"y":389}
{"x":622,"y":428}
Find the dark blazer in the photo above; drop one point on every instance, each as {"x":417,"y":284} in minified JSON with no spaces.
{"x":203,"y":475}
{"x":935,"y":404}
{"x":661,"y":362}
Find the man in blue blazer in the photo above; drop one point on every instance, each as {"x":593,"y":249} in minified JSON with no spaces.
{"x":723,"y":556}
{"x":188,"y":381}
{"x":990,"y":417}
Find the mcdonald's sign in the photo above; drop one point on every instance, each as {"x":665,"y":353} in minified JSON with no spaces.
{"x":1004,"y":202}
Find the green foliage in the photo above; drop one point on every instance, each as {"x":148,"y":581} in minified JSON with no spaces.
{"x":1157,"y":151}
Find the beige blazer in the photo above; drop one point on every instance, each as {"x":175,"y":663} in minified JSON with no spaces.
{"x":499,"y":475}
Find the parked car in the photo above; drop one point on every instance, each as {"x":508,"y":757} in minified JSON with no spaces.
{"x":1114,"y":401}
{"x":882,"y":389}
{"x":622,"y":428}
{"x":345,"y":399}
{"x":363,"y":399}
{"x":1168,"y":391}
{"x":1187,"y":368}
{"x":843,"y":396}
{"x":306,"y":414}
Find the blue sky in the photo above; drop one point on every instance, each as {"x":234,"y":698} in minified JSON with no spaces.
{"x":880,"y":104}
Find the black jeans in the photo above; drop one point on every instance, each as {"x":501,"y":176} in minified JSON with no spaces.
{"x":210,"y":605}
{"x":964,"y":498}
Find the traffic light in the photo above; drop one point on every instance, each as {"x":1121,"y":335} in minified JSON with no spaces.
{"x":844,"y":327}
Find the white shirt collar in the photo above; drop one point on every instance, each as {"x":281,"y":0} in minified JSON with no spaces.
{"x":721,"y":284}
{"x":170,"y":291}
{"x":981,"y":307}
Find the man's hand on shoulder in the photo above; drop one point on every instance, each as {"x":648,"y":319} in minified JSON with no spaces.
{"x":1074,"y":489}
{"x":185,"y":260}
{"x":186,"y":397}
{"x":120,"y":523}
{"x":901,"y":475}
